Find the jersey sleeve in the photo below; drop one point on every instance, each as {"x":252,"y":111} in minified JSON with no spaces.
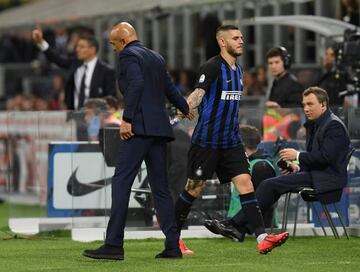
{"x":207,"y":75}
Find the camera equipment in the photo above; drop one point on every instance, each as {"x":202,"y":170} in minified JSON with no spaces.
{"x":284,"y":165}
{"x":348,"y":61}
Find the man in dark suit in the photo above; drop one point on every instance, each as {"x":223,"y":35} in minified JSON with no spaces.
{"x":145,"y":131}
{"x":322,"y":166}
{"x":89,"y":77}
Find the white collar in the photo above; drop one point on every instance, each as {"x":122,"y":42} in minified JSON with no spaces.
{"x":91,"y":63}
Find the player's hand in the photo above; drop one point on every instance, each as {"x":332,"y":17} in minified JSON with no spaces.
{"x":180,"y":114}
{"x":125,"y":130}
{"x":37,"y":36}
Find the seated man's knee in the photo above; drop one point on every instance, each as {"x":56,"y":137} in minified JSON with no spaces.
{"x":195,"y":187}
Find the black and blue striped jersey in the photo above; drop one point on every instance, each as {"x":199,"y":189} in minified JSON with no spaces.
{"x":217,"y":125}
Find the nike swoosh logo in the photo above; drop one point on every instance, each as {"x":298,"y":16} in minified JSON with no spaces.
{"x":76,"y":188}
{"x":228,"y":81}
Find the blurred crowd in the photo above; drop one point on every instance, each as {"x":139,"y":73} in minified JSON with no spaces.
{"x":41,"y":85}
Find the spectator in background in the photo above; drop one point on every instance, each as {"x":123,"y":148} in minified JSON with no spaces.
{"x":113,"y":104}
{"x":332,"y":80}
{"x":97,"y":115}
{"x":286,"y":91}
{"x":89,"y":76}
{"x":351,"y":11}
{"x":261,"y":78}
{"x":251,"y":86}
{"x":57,"y":102}
{"x":27,"y":103}
{"x":14,"y":103}
{"x":41,"y":104}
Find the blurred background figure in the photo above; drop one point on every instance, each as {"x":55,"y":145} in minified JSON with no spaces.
{"x":261,"y":78}
{"x":351,"y":11}
{"x":332,"y":80}
{"x":114,"y":108}
{"x":252,"y":86}
{"x":97,"y":116}
{"x":89,"y":76}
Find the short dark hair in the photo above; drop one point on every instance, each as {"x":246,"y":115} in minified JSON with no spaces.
{"x":98,"y":105}
{"x":111,"y":101}
{"x":321,"y":95}
{"x":91,"y":40}
{"x":250,"y":136}
{"x":274,"y":52}
{"x":226,"y":28}
{"x":282,"y":53}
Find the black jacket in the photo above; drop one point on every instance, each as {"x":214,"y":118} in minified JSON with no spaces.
{"x":287,"y":91}
{"x":327,"y":147}
{"x":103,"y":81}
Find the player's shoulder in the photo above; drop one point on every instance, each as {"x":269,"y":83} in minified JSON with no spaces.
{"x":213,"y":64}
{"x":214,"y":61}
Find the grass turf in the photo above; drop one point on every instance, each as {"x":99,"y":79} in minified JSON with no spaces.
{"x":55,"y":251}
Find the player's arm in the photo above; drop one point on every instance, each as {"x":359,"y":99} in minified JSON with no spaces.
{"x":195,"y":98}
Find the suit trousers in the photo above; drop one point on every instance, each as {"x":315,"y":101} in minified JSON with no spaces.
{"x":270,"y":190}
{"x":132,"y":153}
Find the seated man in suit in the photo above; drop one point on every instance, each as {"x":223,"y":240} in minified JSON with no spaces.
{"x":323,"y":166}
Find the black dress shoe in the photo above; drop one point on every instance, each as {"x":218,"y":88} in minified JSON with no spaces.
{"x":227,"y":230}
{"x":105,"y":252}
{"x":169,"y":253}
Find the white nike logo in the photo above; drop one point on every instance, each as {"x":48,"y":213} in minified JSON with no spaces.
{"x":228,"y":81}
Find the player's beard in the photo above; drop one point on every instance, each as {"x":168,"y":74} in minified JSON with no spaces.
{"x":233,"y":52}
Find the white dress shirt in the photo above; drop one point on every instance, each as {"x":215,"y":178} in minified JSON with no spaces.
{"x":78,"y":75}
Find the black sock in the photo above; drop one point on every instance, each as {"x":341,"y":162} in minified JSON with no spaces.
{"x":237,"y":226}
{"x":182,"y":208}
{"x":252,"y":212}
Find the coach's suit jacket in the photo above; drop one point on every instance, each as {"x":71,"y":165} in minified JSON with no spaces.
{"x":327,"y":145}
{"x":103,"y":80}
{"x":145,"y":103}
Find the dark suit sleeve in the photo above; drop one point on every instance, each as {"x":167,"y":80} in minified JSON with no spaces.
{"x":135,"y":87}
{"x":62,"y":61}
{"x":334,"y":142}
{"x":174,"y":96}
{"x":109,"y":82}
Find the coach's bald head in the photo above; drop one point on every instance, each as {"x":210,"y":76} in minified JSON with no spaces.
{"x":121,"y":35}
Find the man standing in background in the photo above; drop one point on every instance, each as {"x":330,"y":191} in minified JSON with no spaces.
{"x":89,"y":77}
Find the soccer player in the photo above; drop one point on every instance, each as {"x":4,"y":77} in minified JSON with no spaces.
{"x":216,"y":142}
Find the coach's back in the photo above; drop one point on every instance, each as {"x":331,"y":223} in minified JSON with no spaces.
{"x":144,"y":82}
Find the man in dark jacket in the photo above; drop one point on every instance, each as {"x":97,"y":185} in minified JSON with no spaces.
{"x":145,"y":130}
{"x":285,"y":90}
{"x":89,"y":77}
{"x":322,"y":166}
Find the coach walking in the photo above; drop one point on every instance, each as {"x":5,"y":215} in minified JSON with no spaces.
{"x":145,"y":130}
